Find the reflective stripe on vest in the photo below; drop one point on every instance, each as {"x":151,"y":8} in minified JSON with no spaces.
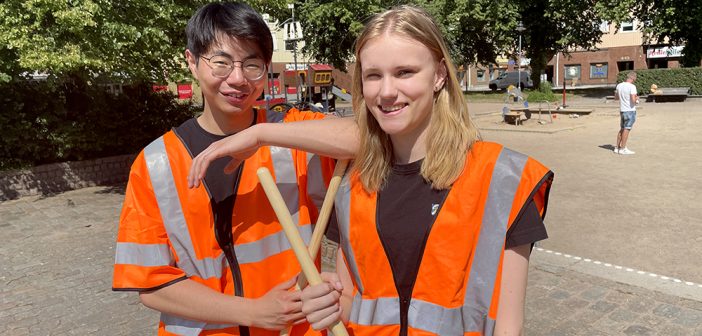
{"x":176,"y":227}
{"x":181,"y":326}
{"x":143,"y":254}
{"x":473,"y":315}
{"x":343,"y":215}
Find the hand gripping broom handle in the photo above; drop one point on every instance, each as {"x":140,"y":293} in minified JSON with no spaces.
{"x":322,"y":221}
{"x":290,"y":229}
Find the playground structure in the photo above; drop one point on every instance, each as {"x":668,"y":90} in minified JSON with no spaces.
{"x":516,"y":109}
{"x":306,"y":89}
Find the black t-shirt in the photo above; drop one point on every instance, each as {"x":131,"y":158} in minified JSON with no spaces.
{"x":196,"y":139}
{"x":407,"y":207}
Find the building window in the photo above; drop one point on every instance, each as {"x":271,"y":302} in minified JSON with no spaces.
{"x":572,"y":71}
{"x":481,"y":75}
{"x":604,"y":26}
{"x":627,"y":26}
{"x":598,"y":70}
{"x":289,"y":45}
{"x":625,"y":65}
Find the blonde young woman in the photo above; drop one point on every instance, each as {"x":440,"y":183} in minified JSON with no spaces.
{"x":435,"y":226}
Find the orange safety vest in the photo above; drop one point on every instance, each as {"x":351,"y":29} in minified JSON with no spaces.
{"x":457,"y":286}
{"x":166,"y":230}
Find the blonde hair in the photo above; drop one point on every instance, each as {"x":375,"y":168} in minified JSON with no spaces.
{"x":451,"y":131}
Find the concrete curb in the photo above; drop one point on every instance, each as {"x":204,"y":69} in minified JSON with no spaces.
{"x":621,"y":274}
{"x":530,"y":130}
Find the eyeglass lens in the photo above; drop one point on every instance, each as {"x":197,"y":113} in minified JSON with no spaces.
{"x":222,"y":66}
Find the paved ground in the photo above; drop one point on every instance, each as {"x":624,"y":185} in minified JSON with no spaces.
{"x":641,"y":211}
{"x":623,"y":257}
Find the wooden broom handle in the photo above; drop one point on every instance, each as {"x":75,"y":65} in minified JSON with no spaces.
{"x":293,"y":235}
{"x":325,"y":211}
{"x":322,"y":221}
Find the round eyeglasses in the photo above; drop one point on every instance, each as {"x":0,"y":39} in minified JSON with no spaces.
{"x":222,"y":67}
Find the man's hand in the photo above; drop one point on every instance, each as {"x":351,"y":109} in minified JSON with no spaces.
{"x":320,"y":303}
{"x":278,"y":308}
{"x":239,"y":147}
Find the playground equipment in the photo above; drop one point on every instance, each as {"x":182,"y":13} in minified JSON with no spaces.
{"x":314,"y":85}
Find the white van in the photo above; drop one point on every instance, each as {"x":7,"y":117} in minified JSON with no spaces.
{"x":511,"y":78}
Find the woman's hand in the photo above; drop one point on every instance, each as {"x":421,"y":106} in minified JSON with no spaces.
{"x":278,"y":308}
{"x":320,"y":303}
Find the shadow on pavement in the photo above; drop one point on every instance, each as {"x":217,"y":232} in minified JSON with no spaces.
{"x":607,"y":147}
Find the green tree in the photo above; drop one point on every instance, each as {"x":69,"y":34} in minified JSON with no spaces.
{"x":331,"y":27}
{"x":476,"y":31}
{"x":675,"y":22}
{"x":554,"y":26}
{"x":91,"y":38}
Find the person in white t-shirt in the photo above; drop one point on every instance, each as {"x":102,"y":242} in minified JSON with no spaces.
{"x":628,"y":99}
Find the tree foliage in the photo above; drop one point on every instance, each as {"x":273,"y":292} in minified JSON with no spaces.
{"x":554,"y":26}
{"x":331,"y":27}
{"x":127,"y":39}
{"x":677,"y":22}
{"x":476,"y":30}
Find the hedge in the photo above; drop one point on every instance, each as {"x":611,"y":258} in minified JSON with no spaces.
{"x":544,"y":92}
{"x":679,"y":77}
{"x":46,"y":122}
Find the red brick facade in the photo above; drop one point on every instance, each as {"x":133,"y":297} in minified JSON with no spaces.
{"x":591,"y":66}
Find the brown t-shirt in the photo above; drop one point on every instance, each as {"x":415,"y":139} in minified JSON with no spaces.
{"x":406,"y":209}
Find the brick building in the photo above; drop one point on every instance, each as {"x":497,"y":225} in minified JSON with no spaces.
{"x":621,"y":49}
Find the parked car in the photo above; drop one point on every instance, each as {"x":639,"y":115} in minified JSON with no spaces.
{"x":511,"y":78}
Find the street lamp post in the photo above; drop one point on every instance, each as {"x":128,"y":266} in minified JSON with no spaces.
{"x":294,"y":34}
{"x":520,"y":29}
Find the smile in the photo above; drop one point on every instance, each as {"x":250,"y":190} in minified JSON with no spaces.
{"x":235,"y":95}
{"x":392,"y":108}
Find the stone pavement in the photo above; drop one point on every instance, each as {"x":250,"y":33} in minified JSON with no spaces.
{"x":55,"y":267}
{"x":56,"y":255}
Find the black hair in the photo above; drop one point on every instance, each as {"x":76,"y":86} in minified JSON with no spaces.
{"x":233,"y":19}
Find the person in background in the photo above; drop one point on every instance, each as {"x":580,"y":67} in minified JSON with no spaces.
{"x":628,"y":99}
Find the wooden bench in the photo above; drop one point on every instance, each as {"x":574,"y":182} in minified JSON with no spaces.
{"x":514,"y":115}
{"x":668,"y":94}
{"x":514,"y":118}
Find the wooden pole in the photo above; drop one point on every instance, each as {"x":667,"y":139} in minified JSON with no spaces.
{"x":293,"y":235}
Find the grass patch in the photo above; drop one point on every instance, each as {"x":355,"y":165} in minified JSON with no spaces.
{"x":501,"y":96}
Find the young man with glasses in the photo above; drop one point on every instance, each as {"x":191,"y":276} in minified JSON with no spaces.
{"x":213,"y":259}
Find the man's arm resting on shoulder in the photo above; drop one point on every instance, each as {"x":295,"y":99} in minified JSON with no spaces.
{"x":337,"y":138}
{"x":332,"y":136}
